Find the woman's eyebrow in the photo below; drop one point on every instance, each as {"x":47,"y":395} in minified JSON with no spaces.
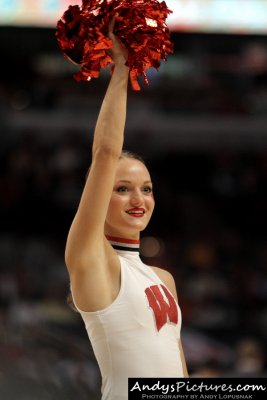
{"x":126,"y":181}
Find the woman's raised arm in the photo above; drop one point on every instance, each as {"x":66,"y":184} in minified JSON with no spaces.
{"x":86,"y":236}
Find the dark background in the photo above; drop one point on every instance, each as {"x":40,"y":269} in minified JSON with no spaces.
{"x":201,"y":126}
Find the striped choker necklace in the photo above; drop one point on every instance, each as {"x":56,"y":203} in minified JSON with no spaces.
{"x":124,"y":244}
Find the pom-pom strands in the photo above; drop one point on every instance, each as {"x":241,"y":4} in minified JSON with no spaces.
{"x":82,"y":34}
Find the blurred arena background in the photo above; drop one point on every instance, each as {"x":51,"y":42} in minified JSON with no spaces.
{"x":201,"y":125}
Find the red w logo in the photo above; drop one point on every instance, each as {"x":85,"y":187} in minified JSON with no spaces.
{"x":159,"y":305}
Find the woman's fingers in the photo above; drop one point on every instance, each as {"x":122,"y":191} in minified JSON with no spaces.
{"x":112,"y":23}
{"x":118,"y":52}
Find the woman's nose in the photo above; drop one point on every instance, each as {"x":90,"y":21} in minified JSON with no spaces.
{"x":137,"y":198}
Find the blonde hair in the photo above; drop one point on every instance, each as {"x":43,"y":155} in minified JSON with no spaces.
{"x":124,"y":154}
{"x":132,"y":155}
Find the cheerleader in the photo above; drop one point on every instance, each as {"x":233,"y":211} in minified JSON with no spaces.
{"x":130,"y":310}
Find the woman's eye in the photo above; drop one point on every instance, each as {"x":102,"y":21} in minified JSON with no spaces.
{"x":147,"y":189}
{"x":122,"y":189}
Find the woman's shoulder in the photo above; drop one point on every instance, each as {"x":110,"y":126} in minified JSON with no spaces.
{"x":167,"y":279}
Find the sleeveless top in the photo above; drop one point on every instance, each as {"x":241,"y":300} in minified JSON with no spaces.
{"x":137,"y":335}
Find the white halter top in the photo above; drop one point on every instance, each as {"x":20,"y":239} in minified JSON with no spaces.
{"x":137,"y":335}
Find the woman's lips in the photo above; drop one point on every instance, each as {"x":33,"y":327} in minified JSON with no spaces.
{"x":136,"y":212}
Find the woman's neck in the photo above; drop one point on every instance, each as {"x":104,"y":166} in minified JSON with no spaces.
{"x":122,"y":235}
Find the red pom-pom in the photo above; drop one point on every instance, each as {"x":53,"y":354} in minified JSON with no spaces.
{"x":82,"y":34}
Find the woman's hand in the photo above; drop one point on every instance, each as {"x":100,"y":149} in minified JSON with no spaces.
{"x":118,"y":53}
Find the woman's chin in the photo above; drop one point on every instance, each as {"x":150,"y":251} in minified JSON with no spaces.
{"x":137,"y":224}
{"x":126,"y":228}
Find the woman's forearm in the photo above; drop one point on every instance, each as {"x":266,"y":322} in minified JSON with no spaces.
{"x":109,"y":130}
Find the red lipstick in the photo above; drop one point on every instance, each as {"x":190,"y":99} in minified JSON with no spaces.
{"x":136,"y":212}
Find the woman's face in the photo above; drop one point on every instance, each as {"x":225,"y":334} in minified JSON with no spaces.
{"x":132,"y":202}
